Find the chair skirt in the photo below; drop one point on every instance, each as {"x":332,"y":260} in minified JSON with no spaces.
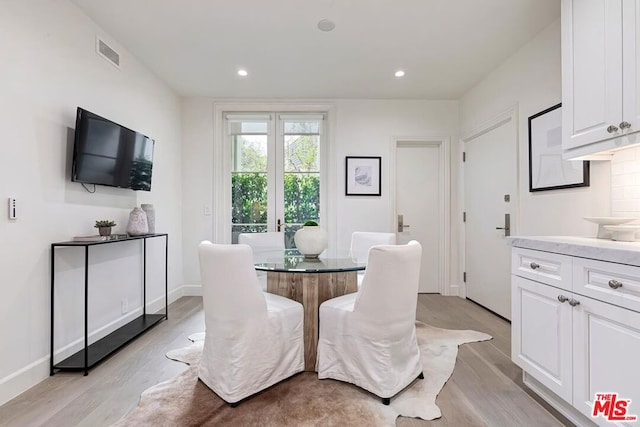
{"x":243,"y":357}
{"x":382,"y":359}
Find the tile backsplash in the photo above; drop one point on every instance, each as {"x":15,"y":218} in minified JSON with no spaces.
{"x":625,"y":183}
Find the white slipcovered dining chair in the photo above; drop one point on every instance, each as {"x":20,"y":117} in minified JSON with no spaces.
{"x":265,"y":246}
{"x":368,"y":338}
{"x":253,"y":339}
{"x":362,"y":241}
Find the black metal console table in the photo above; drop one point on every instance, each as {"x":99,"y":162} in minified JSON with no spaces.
{"x":94,"y":353}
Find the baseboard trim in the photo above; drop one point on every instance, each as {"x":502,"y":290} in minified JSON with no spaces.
{"x":489,"y":310}
{"x":192,"y":290}
{"x":559,"y":404}
{"x":158,"y":304}
{"x":23,"y":379}
{"x":37,"y":371}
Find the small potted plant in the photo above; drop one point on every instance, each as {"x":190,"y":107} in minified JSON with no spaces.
{"x":104,"y":227}
{"x":311,"y":240}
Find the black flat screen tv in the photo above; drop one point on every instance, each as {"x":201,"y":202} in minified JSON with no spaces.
{"x":106,"y":153}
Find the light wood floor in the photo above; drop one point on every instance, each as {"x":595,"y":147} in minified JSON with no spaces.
{"x":485,"y":390}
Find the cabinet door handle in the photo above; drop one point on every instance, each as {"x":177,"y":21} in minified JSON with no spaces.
{"x":612,"y":129}
{"x":573,"y":302}
{"x":562,"y":298}
{"x":625,"y":125}
{"x":614,"y":284}
{"x":534,"y":266}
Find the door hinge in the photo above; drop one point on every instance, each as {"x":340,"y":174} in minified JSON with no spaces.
{"x":464,"y":216}
{"x":464,"y":156}
{"x":464,"y":277}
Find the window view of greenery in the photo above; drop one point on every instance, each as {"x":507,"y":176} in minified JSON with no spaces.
{"x":249,"y":184}
{"x":301,"y":180}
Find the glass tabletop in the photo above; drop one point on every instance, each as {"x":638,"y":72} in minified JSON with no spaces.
{"x":294,"y":262}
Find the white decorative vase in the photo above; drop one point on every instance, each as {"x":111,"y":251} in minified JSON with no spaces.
{"x":151,"y":216}
{"x":311,"y":240}
{"x":137,"y":223}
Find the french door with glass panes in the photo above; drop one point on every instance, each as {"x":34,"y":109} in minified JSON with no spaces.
{"x":275,"y":172}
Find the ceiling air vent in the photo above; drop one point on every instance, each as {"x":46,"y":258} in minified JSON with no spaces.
{"x":104,"y":50}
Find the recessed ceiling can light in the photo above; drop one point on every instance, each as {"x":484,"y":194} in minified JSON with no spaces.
{"x":326,"y":25}
{"x":399,"y":73}
{"x":243,"y":73}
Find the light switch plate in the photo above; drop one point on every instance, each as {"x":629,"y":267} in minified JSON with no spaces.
{"x":12,"y":208}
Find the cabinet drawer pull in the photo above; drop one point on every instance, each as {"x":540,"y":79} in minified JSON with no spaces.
{"x":562,"y":298}
{"x":534,"y":266}
{"x":625,"y":125}
{"x":612,"y":129}
{"x":614,"y":284}
{"x":573,"y":302}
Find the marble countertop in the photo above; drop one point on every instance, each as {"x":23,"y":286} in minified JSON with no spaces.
{"x":584,"y":247}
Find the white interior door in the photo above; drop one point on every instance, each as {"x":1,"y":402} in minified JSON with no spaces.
{"x":490,"y":173}
{"x":418,"y":200}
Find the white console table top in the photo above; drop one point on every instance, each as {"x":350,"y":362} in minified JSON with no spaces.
{"x":584,"y":247}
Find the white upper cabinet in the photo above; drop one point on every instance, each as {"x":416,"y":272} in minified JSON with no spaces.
{"x":631,"y":64}
{"x":600,"y":82}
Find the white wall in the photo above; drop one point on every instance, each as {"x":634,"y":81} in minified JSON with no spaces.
{"x":197,"y":182}
{"x":531,"y":79}
{"x":367,"y":127}
{"x":49,"y":67}
{"x":360,"y":127}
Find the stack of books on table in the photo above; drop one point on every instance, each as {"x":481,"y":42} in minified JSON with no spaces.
{"x":98,"y":238}
{"x":95,"y":238}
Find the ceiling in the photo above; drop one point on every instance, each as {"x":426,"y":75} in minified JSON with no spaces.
{"x":444,"y":46}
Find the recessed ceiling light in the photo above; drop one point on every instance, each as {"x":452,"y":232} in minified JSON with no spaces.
{"x":243,"y":73}
{"x":326,"y":25}
{"x":399,"y":73}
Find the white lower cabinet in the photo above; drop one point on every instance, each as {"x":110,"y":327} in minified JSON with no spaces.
{"x":574,"y":345}
{"x":541,"y":334}
{"x":606,"y":355}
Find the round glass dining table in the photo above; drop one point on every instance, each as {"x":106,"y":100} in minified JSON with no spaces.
{"x":292,"y":261}
{"x":310,"y":282}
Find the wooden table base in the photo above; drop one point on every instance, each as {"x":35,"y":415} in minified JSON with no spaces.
{"x":311,"y":290}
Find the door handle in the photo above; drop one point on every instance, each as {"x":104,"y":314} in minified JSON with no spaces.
{"x":507,"y":225}
{"x":278,"y":225}
{"x":401,"y":224}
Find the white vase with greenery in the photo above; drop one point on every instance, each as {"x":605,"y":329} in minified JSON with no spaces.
{"x":311,"y":240}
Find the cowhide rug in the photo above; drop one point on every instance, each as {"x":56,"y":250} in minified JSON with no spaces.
{"x":301,"y":400}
